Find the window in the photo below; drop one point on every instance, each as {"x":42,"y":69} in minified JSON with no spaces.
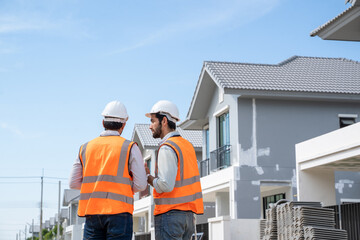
{"x":146,"y":192}
{"x":207,"y":142}
{"x":347,"y":119}
{"x":344,"y":122}
{"x":224,"y":131}
{"x":148,"y":163}
{"x":271,"y":199}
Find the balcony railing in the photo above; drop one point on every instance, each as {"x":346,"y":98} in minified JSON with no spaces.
{"x":204,"y":167}
{"x":220,"y":158}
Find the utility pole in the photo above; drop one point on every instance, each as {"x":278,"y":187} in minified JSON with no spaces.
{"x":17,"y":237}
{"x":25,"y":232}
{"x":32,"y":238}
{"x":41,"y":205}
{"x":19,"y":234}
{"x":58,"y":220}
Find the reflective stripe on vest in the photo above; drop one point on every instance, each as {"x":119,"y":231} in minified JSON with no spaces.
{"x":182,"y":182}
{"x":179,"y":183}
{"x":109,"y":178}
{"x":178,"y":200}
{"x":107,"y":195}
{"x":83,"y":157}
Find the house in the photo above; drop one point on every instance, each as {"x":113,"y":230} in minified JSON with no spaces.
{"x":34,"y":230}
{"x":74,"y":225}
{"x":143,"y":205}
{"x":344,"y":27}
{"x":318,"y":159}
{"x":251,"y":116}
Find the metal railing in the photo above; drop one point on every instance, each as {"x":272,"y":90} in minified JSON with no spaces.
{"x":204,"y":167}
{"x":347,"y":217}
{"x":143,"y":236}
{"x":220,"y":158}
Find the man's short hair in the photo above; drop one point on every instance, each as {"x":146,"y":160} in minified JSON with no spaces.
{"x":171,"y":124}
{"x":112,"y":125}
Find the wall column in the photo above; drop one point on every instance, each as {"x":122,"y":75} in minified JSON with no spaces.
{"x":316,"y":185}
{"x":222,"y":204}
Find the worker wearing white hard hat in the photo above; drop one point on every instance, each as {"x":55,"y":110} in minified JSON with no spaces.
{"x":176,"y":181}
{"x":108,"y":171}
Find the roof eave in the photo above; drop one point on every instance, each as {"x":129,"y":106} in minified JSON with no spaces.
{"x":303,"y":95}
{"x":343,"y":27}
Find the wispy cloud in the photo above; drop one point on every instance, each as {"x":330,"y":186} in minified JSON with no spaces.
{"x":12,"y":24}
{"x":12,"y":129}
{"x":237,"y":12}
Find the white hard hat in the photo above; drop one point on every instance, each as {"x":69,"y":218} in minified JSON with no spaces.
{"x":167,"y":108}
{"x":115,"y":111}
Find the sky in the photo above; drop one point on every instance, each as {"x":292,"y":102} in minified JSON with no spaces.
{"x":62,"y":61}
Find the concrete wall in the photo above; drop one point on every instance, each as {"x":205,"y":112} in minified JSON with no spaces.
{"x":268,"y":131}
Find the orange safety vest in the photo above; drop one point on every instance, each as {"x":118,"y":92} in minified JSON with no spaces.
{"x":187,"y":194}
{"x":107,"y":185}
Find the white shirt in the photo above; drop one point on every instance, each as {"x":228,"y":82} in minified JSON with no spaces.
{"x":136,"y":166}
{"x":167,"y":166}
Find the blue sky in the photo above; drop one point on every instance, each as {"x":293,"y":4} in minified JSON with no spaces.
{"x":62,"y":61}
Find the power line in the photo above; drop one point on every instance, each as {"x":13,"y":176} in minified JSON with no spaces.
{"x":27,"y":182}
{"x":34,"y":177}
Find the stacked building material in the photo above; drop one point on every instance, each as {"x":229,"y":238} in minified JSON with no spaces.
{"x":311,"y":216}
{"x":285,"y":218}
{"x":270,"y":231}
{"x":262,"y":228}
{"x":301,"y":221}
{"x":319,"y":233}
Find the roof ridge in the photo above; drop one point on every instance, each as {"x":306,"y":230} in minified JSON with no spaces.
{"x":283,"y":62}
{"x":242,"y":63}
{"x":332,"y":58}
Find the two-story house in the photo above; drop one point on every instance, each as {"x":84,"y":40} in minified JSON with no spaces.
{"x":252,"y":115}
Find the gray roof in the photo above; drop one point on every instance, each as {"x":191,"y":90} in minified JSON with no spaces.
{"x":354,"y":4}
{"x":70,"y":195}
{"x":299,"y":74}
{"x":147,"y":140}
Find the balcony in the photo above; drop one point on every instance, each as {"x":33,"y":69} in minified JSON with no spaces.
{"x":219,"y":159}
{"x":204,"y":167}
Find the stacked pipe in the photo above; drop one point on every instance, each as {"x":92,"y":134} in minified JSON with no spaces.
{"x":270,"y":231}
{"x":319,"y":233}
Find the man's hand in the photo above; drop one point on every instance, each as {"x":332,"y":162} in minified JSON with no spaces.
{"x":147,"y":170}
{"x":150,"y":178}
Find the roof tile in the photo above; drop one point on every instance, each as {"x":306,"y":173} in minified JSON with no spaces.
{"x":147,"y":140}
{"x":300,"y":74}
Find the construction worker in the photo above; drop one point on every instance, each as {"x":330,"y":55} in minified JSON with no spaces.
{"x":108,"y":171}
{"x":177,"y":190}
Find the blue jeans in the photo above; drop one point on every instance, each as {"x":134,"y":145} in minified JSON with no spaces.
{"x":110,"y":227}
{"x":174,"y":225}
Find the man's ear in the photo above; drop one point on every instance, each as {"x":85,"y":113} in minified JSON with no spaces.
{"x":103,"y":123}
{"x":164,"y":121}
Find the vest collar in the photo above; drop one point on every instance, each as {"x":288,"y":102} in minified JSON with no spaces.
{"x":169,"y":135}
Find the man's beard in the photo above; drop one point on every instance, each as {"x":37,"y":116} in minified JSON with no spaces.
{"x":157,"y":132}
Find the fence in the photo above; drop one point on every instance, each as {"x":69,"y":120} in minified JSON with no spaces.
{"x":143,"y":236}
{"x":203,"y":228}
{"x":347,"y":217}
